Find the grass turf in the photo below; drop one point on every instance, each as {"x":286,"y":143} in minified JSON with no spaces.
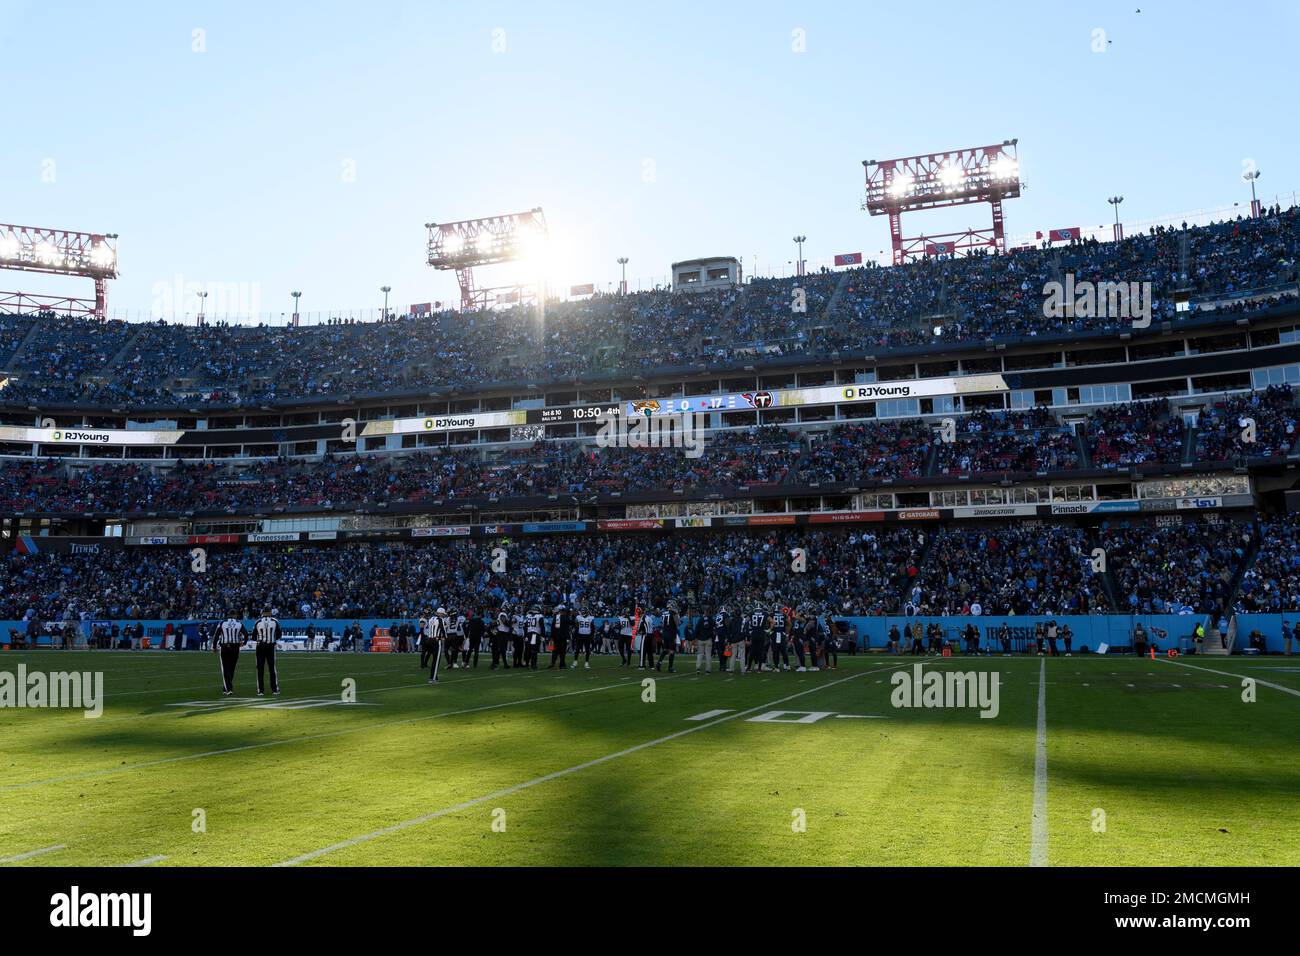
{"x":580,"y":770}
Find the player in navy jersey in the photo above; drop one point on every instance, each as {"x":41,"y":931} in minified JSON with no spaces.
{"x":780,"y":640}
{"x":759,"y":625}
{"x":670,"y":630}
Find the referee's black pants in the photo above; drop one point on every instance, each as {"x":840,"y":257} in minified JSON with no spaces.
{"x":426,"y":646}
{"x":559,"y":648}
{"x":518,"y":650}
{"x":266,"y":660}
{"x":229,"y":658}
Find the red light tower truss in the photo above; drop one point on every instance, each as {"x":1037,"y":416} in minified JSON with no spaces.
{"x":58,"y":252}
{"x":956,"y":178}
{"x":471,"y":243}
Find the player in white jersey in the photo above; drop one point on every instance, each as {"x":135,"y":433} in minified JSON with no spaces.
{"x":455,"y":635}
{"x":534,"y":632}
{"x":625,"y":640}
{"x":517,"y":623}
{"x":584,"y":636}
{"x":501,"y":638}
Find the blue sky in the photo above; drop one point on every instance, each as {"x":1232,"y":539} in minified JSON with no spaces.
{"x":657,"y":131}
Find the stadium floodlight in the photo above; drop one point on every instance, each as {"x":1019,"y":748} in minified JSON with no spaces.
{"x":1119,"y":229}
{"x":957,"y":177}
{"x":900,"y":186}
{"x":1250,"y":176}
{"x":472,"y":243}
{"x":59,"y":252}
{"x":1005,"y":168}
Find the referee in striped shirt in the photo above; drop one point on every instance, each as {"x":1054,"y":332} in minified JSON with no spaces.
{"x":266,"y":632}
{"x":230,"y":637}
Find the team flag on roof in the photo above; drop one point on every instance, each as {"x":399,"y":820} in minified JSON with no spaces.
{"x":938,"y":248}
{"x":849,"y":259}
{"x":1064,"y":235}
{"x":586,"y":289}
{"x":421,"y":308}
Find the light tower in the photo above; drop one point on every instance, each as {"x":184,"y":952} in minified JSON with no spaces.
{"x":622,"y":286}
{"x":296,"y":297}
{"x":201,"y":319}
{"x":930,"y":181}
{"x":799,"y":240}
{"x":1250,"y":177}
{"x":385,"y":289}
{"x":1119,"y":230}
{"x":472,"y":243}
{"x":58,"y":252}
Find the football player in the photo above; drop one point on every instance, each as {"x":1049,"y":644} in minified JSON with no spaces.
{"x":517,"y":621}
{"x":670,"y":636}
{"x":534,"y":632}
{"x":501,"y":638}
{"x":559,"y":636}
{"x":625,"y":637}
{"x":585,"y":636}
{"x":780,"y":640}
{"x":759,"y":625}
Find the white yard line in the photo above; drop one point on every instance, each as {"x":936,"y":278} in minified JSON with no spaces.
{"x":108,"y":771}
{"x":1038,"y":846}
{"x":1210,"y":670}
{"x":31,"y":853}
{"x":546,"y":778}
{"x":147,"y":861}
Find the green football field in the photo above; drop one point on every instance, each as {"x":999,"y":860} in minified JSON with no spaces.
{"x":1146,"y":762}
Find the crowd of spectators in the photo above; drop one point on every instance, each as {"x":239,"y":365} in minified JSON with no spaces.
{"x":864,"y":309}
{"x":1008,"y":571}
{"x":867,"y":451}
{"x":1188,"y":568}
{"x":1271,"y":585}
{"x":987,"y":443}
{"x":849,"y":572}
{"x":743,"y":457}
{"x":1136,"y":433}
{"x":1257,"y":425}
